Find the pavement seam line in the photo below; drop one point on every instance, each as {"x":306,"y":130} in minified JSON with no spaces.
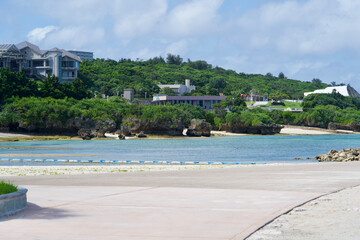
{"x":272,"y":220}
{"x":104,"y":196}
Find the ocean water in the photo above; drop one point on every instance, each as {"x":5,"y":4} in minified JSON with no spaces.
{"x":232,"y":149}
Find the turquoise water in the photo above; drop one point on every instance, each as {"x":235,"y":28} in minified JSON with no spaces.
{"x":237,"y":149}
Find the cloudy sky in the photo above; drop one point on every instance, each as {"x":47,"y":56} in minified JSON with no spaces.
{"x":305,"y":39}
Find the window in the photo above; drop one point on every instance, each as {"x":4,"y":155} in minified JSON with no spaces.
{"x":38,"y":63}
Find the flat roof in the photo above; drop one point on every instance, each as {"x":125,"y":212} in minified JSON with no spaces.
{"x":193,"y":98}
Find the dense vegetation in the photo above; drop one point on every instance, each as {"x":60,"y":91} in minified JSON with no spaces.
{"x":13,"y":84}
{"x":335,"y":99}
{"x":320,"y":110}
{"x":111,"y":77}
{"x":6,"y":188}
{"x":43,"y":112}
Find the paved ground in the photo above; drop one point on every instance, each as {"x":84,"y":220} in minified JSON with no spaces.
{"x":205,"y":204}
{"x":331,"y":217}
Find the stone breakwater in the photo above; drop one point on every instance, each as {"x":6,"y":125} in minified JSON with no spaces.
{"x":344,"y":155}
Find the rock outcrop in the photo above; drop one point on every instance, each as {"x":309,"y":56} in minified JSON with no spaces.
{"x":344,"y":155}
{"x":123,"y":132}
{"x":262,"y":129}
{"x":354,"y":126}
{"x":85,"y":134}
{"x":198,"y":128}
{"x":83,"y":127}
{"x":141,"y":135}
{"x":171,"y":128}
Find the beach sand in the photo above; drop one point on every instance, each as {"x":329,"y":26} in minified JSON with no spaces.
{"x":88,"y":169}
{"x":300,"y":130}
{"x":331,"y":217}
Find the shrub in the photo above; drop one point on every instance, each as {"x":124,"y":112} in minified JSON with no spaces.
{"x":6,"y":188}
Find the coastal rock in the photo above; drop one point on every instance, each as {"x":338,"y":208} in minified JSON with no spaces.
{"x":123,"y":131}
{"x":354,"y":126}
{"x":344,"y":155}
{"x":86,"y":134}
{"x":171,"y":128}
{"x":141,"y":135}
{"x":71,"y":126}
{"x":198,"y":128}
{"x":262,"y":129}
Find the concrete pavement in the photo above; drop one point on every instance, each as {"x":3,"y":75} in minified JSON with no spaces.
{"x":205,"y":204}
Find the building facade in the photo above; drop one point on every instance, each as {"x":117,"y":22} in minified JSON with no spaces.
{"x":206,"y":102}
{"x":178,"y":88}
{"x":11,"y":57}
{"x":129,"y":94}
{"x":83,"y":54}
{"x":40,"y":63}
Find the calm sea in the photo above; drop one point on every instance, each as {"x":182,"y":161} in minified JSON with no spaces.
{"x":237,"y":149}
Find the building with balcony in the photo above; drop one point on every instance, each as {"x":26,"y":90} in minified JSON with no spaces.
{"x":39,"y":63}
{"x":11,"y":57}
{"x":206,"y":102}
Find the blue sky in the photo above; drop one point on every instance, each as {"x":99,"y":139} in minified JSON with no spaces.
{"x":304,"y":39}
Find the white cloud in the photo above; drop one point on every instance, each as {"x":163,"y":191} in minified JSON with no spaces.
{"x":193,"y":18}
{"x":38,"y":34}
{"x":75,"y":37}
{"x":302,"y":27}
{"x":179,"y":47}
{"x":137,"y":18}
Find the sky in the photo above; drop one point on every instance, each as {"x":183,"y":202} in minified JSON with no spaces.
{"x":304,"y":39}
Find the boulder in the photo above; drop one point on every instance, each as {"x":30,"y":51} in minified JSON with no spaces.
{"x":124,"y":131}
{"x":198,"y":128}
{"x":141,"y":135}
{"x":344,"y":155}
{"x":86,"y":134}
{"x":121,"y":136}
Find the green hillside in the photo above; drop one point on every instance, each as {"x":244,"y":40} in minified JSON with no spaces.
{"x":111,"y":77}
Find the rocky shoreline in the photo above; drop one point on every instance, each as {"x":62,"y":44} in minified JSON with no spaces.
{"x":134,"y":127}
{"x":344,"y":155}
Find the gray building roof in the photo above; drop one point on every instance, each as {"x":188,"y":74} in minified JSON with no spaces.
{"x":8,"y":47}
{"x":33,"y":47}
{"x":36,"y":49}
{"x":65,"y":53}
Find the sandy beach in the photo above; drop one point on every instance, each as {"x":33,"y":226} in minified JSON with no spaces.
{"x":6,"y":171}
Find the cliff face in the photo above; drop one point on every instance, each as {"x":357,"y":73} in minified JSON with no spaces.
{"x":354,"y":126}
{"x":96,"y":128}
{"x":257,"y":129}
{"x":171,"y":128}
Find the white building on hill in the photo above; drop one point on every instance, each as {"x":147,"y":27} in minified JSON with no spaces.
{"x":178,"y":88}
{"x":346,"y":91}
